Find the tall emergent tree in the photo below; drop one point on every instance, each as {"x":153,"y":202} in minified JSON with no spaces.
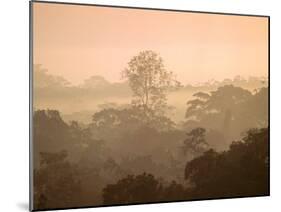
{"x":149,"y":81}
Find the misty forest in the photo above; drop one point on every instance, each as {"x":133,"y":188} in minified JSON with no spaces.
{"x":148,"y":138}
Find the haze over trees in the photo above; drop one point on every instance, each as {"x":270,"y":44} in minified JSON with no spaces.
{"x":80,"y":102}
{"x":123,"y":145}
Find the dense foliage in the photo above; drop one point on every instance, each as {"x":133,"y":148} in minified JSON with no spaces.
{"x":136,"y":153}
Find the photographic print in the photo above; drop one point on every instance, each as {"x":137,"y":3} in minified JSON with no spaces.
{"x":138,"y":105}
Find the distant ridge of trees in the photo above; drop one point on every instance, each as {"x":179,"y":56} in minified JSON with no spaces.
{"x":45,"y":79}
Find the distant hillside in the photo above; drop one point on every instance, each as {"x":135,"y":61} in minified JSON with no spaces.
{"x":79,"y":102}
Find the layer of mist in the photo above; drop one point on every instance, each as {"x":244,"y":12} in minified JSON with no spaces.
{"x":103,"y":143}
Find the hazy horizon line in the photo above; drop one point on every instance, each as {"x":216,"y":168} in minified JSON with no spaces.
{"x":243,"y":77}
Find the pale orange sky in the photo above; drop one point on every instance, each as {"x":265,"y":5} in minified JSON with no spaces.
{"x":77,"y":42}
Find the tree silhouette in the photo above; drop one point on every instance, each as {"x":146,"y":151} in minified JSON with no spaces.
{"x":52,"y":134}
{"x":128,"y":119}
{"x":132,"y":189}
{"x":222,"y":100}
{"x":55,"y":183}
{"x":142,"y":188}
{"x":240,"y":171}
{"x":229,"y":109}
{"x":195,"y":144}
{"x":43,"y":79}
{"x":149,"y":81}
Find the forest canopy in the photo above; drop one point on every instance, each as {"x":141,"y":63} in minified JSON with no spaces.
{"x":163,"y":141}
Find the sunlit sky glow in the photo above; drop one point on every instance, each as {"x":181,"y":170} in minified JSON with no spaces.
{"x":77,"y":42}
